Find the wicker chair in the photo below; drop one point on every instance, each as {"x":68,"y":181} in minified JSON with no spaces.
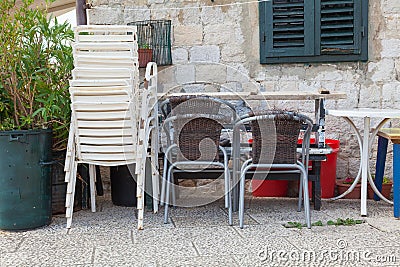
{"x":193,"y":128}
{"x":275,"y":134}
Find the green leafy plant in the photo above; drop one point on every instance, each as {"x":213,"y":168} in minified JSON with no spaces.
{"x":144,"y":46}
{"x":36,"y":62}
{"x":350,"y":180}
{"x":339,"y":221}
{"x":346,"y":222}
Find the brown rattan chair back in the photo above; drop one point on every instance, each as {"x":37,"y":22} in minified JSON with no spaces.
{"x":197,"y":126}
{"x":275,"y":136}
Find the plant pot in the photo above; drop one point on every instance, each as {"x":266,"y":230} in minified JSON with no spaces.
{"x":145,"y":56}
{"x":25,"y":179}
{"x":356,"y":193}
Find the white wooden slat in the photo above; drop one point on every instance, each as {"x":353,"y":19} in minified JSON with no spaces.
{"x":101,"y":106}
{"x":99,"y":82}
{"x":99,"y":89}
{"x":105,"y":132}
{"x":105,"y":124}
{"x":108,"y":149}
{"x":106,"y":141}
{"x":107,"y":28}
{"x":102,"y":73}
{"x":102,"y":53}
{"x":107,"y":157}
{"x":101,"y":99}
{"x":105,"y":63}
{"x":105,"y":38}
{"x":113,"y":115}
{"x":104,"y":46}
{"x":82,"y":91}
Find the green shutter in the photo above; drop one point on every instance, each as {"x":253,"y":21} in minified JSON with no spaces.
{"x":313,"y":31}
{"x":289,"y":32}
{"x":340,"y":26}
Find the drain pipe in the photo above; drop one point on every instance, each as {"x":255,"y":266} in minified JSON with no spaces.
{"x":81,"y":18}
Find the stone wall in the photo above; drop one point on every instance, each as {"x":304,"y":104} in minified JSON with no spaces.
{"x":218,"y":42}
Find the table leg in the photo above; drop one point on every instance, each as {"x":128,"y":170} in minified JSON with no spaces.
{"x":380,"y":164}
{"x":317,"y":185}
{"x":396,"y":180}
{"x":364,"y":166}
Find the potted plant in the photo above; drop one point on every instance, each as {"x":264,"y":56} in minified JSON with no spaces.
{"x":344,"y":185}
{"x":145,"y":54}
{"x":36,"y":62}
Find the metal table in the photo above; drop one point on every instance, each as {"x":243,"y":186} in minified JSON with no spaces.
{"x":365,"y":143}
{"x":319,"y":106}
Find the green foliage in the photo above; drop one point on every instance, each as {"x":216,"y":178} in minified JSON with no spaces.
{"x":36,"y":62}
{"x":144,"y":46}
{"x":339,"y":221}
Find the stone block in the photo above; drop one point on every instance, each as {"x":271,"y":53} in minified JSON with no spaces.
{"x":237,"y":73}
{"x":390,"y":48}
{"x":212,"y":15}
{"x":214,"y":73}
{"x":188,"y":35}
{"x":206,"y":53}
{"x":232,"y":87}
{"x":233,"y":53}
{"x":218,"y":34}
{"x":191,"y":16}
{"x":185,"y":73}
{"x":179,"y":55}
{"x":132,"y":15}
{"x":108,"y":16}
{"x":390,"y":95}
{"x":382,"y":70}
{"x":390,"y":6}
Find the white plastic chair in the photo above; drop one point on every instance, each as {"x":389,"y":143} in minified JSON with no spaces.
{"x":112,"y":119}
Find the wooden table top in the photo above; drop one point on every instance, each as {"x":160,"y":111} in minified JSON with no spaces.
{"x":392,"y":134}
{"x":281,"y":95}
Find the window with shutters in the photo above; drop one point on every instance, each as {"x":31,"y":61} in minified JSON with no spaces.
{"x":313,"y":30}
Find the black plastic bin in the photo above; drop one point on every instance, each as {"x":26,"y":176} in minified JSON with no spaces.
{"x":123,"y":186}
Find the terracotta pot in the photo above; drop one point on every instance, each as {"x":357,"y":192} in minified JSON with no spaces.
{"x":356,"y":193}
{"x":145,"y":56}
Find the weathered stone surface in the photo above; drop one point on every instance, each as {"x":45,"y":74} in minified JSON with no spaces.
{"x":206,"y":53}
{"x":390,"y":48}
{"x":132,"y":15}
{"x":232,"y":87}
{"x":106,"y":16}
{"x":185,"y":73}
{"x":237,"y":73}
{"x":212,"y":15}
{"x":390,"y":95}
{"x":389,"y":6}
{"x":191,"y":16}
{"x":155,"y":2}
{"x":233,"y":53}
{"x":392,"y":26}
{"x":215,"y":73}
{"x":219,"y":34}
{"x":229,"y":35}
{"x":180,"y":55}
{"x":382,"y":70}
{"x":188,"y":35}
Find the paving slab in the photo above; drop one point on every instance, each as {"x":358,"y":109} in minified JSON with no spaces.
{"x":201,"y":236}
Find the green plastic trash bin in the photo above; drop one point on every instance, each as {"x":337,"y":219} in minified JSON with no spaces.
{"x":25,"y":179}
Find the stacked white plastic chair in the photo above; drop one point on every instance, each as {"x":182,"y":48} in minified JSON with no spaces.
{"x":112,"y":118}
